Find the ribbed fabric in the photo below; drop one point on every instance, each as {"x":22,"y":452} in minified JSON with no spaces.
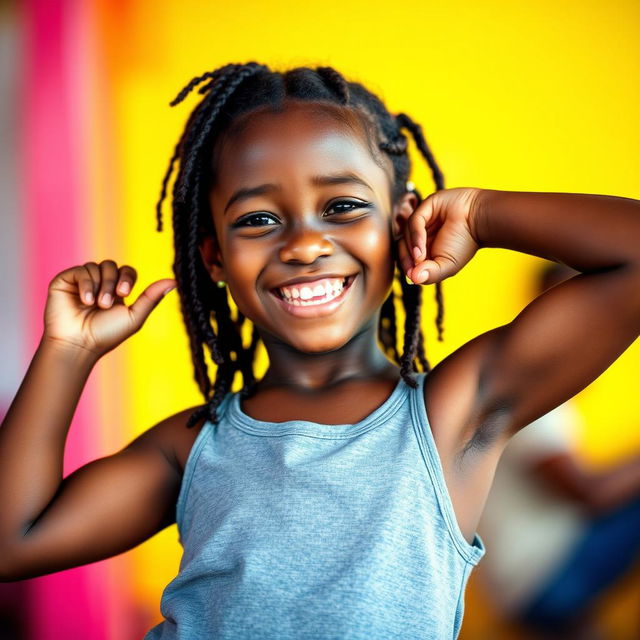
{"x":315,"y":531}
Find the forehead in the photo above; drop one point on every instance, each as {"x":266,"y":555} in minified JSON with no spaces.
{"x":302,"y":139}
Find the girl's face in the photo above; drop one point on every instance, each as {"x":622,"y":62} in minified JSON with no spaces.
{"x":304,"y":227}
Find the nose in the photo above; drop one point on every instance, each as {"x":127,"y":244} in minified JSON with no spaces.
{"x":304,"y":246}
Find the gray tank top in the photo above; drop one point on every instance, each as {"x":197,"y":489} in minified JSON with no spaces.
{"x":316,"y":531}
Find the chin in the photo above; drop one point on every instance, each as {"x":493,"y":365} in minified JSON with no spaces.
{"x":319,"y":344}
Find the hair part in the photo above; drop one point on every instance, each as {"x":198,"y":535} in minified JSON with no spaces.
{"x":231,"y":92}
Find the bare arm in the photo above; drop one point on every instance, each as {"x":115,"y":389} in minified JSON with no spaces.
{"x":506,"y":378}
{"x":34,"y":432}
{"x":102,"y":509}
{"x":573,"y":332}
{"x":598,"y":491}
{"x":47,"y":522}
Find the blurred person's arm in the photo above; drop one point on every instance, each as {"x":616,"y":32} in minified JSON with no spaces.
{"x":597,"y":491}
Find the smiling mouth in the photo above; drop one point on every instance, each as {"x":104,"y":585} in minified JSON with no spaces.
{"x":322,"y":295}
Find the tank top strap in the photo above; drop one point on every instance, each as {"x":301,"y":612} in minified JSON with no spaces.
{"x":420,"y":420}
{"x":192,"y":460}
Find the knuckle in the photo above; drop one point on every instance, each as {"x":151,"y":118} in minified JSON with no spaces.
{"x":108,"y":265}
{"x":126,"y":269}
{"x":107,"y":284}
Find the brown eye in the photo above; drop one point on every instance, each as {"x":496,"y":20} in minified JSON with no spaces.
{"x":347,"y":206}
{"x":255,"y":220}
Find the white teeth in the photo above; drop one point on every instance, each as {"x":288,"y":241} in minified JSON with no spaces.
{"x":321,"y":293}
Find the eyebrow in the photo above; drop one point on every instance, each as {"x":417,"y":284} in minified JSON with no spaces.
{"x":330,"y":179}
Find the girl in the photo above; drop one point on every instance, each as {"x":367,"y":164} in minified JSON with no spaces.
{"x":338,"y":496}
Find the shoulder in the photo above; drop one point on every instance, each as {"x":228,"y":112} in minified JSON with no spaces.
{"x":173,"y":438}
{"x":456,"y":396}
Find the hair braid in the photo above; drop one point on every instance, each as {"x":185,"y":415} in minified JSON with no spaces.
{"x":192,"y":125}
{"x":395,"y":147}
{"x":336,"y":82}
{"x":189,"y":269}
{"x":411,"y":295}
{"x":209,"y":75}
{"x":422,"y":356}
{"x":249,"y":356}
{"x":404,"y":120}
{"x":387,"y":329}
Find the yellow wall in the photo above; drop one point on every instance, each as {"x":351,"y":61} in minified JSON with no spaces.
{"x":538,"y":96}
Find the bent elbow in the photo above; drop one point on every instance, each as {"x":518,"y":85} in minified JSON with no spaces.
{"x":8,"y":568}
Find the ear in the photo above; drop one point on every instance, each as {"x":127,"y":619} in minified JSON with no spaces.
{"x":211,"y":257}
{"x":405,"y":206}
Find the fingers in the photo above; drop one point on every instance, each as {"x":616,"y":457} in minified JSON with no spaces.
{"x":126,"y":280}
{"x":412,"y":248}
{"x":416,"y":231}
{"x":105,"y":283}
{"x":89,"y":282}
{"x":406,"y":263}
{"x":432,"y":271}
{"x":149,"y":299}
{"x":108,"y":279}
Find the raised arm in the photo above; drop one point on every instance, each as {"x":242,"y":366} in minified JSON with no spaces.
{"x":102,"y":509}
{"x":47,"y":522}
{"x":573,"y":332}
{"x":560,"y":342}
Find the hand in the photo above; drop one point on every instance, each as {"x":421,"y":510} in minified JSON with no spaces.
{"x":77,"y":317}
{"x":438,"y":239}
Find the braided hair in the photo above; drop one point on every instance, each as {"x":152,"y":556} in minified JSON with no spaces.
{"x":230,"y":91}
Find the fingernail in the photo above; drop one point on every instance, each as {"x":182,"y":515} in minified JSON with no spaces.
{"x":417,"y":253}
{"x":423,"y":274}
{"x":106,"y":298}
{"x":124,"y":288}
{"x":167,"y":290}
{"x":88,"y":297}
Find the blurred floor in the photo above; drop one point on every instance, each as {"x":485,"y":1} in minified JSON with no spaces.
{"x":617,"y":614}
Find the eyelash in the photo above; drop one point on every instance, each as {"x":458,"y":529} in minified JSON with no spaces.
{"x":245,"y":220}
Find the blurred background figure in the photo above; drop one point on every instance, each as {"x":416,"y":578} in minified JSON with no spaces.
{"x":558,"y":534}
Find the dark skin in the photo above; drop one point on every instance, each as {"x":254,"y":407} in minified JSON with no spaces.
{"x":476,"y":399}
{"x":597,"y":492}
{"x":301,"y":229}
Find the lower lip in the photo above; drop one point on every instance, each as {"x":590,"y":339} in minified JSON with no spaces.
{"x":316,"y":310}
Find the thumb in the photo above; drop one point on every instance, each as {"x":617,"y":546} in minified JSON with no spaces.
{"x":149,"y":299}
{"x":432,"y":271}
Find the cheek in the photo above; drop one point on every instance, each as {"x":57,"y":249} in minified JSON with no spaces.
{"x":242,"y":268}
{"x":374,"y":240}
{"x":375,"y":249}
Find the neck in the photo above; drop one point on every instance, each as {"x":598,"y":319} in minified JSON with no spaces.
{"x":361,"y":357}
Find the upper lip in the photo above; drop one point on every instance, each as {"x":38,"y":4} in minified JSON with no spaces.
{"x":312,"y":278}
